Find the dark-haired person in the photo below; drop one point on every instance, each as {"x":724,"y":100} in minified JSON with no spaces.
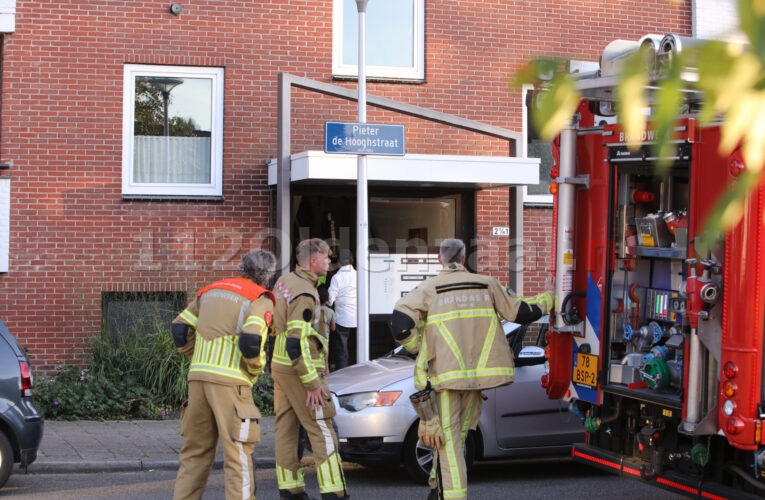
{"x":342,"y":296}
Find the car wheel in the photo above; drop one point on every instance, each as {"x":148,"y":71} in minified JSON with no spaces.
{"x":418,"y":458}
{"x":6,"y":459}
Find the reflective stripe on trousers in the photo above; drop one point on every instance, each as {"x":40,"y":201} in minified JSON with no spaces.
{"x":459,"y":412}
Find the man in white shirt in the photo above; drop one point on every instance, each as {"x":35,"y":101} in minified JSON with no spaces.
{"x":342,"y":295}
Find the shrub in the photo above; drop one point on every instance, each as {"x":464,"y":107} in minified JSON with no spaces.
{"x":130,"y":377}
{"x":263,"y":394}
{"x":151,"y":359}
{"x":80,"y":394}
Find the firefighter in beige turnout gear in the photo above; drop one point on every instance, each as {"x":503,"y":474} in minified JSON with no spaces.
{"x":223,"y":330}
{"x":301,"y":394}
{"x":452,"y":322}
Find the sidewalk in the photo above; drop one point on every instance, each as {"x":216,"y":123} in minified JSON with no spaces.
{"x":133,"y":445}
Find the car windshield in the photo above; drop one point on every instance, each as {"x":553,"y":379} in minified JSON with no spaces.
{"x":400,"y":351}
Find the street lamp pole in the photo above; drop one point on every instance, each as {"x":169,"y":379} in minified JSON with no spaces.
{"x":362,"y":206}
{"x":165,"y":84}
{"x":166,"y":98}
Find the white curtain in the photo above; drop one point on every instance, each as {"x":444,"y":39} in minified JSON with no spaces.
{"x":171,"y":160}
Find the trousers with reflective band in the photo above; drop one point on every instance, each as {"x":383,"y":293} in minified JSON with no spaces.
{"x":459,"y":412}
{"x":330,"y":475}
{"x":289,"y":480}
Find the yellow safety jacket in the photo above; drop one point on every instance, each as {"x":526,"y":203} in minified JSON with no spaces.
{"x":218,"y":315}
{"x":458,"y":335}
{"x":296,"y":316}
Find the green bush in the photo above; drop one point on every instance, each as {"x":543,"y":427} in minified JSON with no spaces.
{"x":263,"y":394}
{"x":151,"y":359}
{"x":130,"y":377}
{"x":80,"y":394}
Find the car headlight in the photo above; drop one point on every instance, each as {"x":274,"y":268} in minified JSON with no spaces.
{"x":361,"y":400}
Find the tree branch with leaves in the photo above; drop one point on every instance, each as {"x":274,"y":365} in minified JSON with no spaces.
{"x":727,"y":77}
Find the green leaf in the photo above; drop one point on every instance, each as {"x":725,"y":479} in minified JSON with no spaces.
{"x":536,"y":71}
{"x":631,"y":96}
{"x":751,"y":15}
{"x":556,"y":107}
{"x":728,"y":210}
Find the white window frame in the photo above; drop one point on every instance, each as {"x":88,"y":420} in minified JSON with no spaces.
{"x":172,"y":190}
{"x":416,"y":72}
{"x":5,"y":223}
{"x":530,"y":199}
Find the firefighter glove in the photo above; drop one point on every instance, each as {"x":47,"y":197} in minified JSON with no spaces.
{"x":424,"y":404}
{"x":430,"y":432}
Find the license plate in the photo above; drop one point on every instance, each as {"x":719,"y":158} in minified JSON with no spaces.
{"x":586,"y":370}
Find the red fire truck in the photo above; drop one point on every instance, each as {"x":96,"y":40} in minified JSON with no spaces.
{"x":657,"y":339}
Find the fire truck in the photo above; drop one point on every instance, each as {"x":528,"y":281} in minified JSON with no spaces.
{"x":656,"y":341}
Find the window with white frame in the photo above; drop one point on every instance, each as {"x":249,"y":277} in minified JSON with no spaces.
{"x":172,"y":132}
{"x":5,"y":223}
{"x":395,"y":39}
{"x":534,"y":147}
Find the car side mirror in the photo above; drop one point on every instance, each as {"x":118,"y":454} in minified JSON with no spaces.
{"x":530,"y":356}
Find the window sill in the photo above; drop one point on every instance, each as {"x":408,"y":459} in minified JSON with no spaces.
{"x":380,"y":79}
{"x":161,"y":197}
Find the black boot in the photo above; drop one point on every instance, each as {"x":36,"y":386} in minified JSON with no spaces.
{"x":333,"y":496}
{"x":286,"y":495}
{"x":433,"y":495}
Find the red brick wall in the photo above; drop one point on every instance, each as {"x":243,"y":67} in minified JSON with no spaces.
{"x":72,"y":235}
{"x":537,"y":252}
{"x":493,"y":206}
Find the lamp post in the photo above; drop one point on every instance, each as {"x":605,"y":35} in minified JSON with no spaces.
{"x":165,"y":84}
{"x":362,"y":209}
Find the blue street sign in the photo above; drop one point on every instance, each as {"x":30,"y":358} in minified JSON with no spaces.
{"x":364,"y":138}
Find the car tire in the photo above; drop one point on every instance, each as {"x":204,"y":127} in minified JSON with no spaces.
{"x":6,"y":459}
{"x":418,"y":458}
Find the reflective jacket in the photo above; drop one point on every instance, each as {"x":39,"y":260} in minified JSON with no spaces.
{"x":299,"y":348}
{"x":218,"y":315}
{"x":458,"y":334}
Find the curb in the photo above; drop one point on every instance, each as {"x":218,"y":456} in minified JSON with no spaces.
{"x":83,"y":467}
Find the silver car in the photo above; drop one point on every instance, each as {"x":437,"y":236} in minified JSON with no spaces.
{"x":377,"y":425}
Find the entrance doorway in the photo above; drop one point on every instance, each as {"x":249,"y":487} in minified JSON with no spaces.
{"x":402,"y":220}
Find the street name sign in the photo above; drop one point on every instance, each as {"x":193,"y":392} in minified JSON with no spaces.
{"x":364,"y":138}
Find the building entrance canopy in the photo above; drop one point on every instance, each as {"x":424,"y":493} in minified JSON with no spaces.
{"x":477,"y":172}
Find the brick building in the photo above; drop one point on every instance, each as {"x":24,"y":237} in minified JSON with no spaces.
{"x":97,"y":217}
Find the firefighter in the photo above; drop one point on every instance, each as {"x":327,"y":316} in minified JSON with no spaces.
{"x":233,"y":316}
{"x":301,"y":394}
{"x":451,"y":321}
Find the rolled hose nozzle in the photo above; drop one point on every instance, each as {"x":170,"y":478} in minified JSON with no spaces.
{"x":699,"y":454}
{"x":591,"y":424}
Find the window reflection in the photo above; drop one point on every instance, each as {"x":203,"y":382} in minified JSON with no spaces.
{"x":395,"y":42}
{"x":172,"y":129}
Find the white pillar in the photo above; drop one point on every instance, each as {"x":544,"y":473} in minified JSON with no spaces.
{"x":362,"y":206}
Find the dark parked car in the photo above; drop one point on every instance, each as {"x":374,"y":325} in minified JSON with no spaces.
{"x":21,"y":425}
{"x":377,"y":425}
